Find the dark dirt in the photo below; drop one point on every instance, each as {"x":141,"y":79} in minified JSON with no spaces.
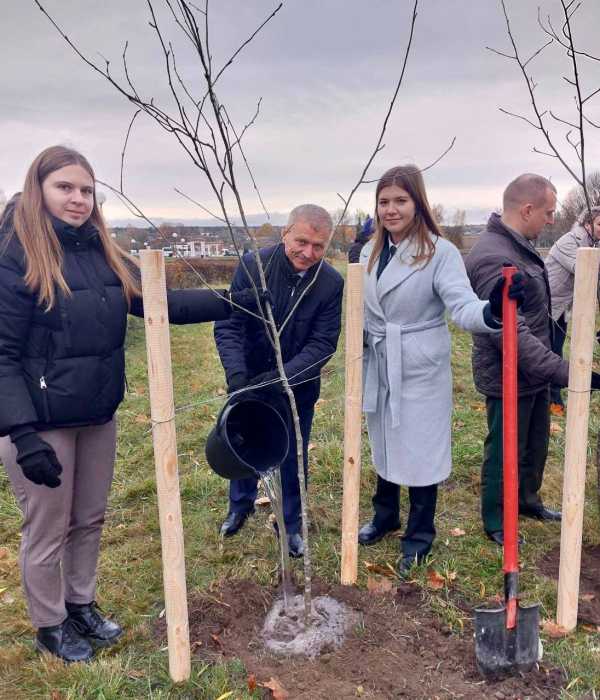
{"x":589,"y":582}
{"x":401,"y":650}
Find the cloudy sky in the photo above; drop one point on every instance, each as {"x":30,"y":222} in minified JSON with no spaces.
{"x":325,"y":70}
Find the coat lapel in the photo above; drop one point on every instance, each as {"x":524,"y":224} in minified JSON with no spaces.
{"x":398,"y":270}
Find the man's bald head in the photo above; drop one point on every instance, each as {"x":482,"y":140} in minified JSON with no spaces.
{"x":526,"y":189}
{"x":529,"y":203}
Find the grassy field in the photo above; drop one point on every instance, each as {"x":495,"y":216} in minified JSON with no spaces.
{"x":130,"y":584}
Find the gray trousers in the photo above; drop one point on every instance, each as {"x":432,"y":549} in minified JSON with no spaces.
{"x":61,"y":528}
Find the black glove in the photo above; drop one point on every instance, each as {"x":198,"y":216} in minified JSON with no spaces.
{"x":36,"y":457}
{"x":246,"y":298}
{"x":516,"y":291}
{"x":595,"y":381}
{"x":598,"y":337}
{"x":237,"y":381}
{"x":273,"y":388}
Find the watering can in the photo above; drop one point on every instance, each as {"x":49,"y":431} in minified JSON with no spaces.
{"x":249,"y":439}
{"x":507,"y":638}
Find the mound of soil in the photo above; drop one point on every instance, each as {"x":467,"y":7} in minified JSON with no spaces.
{"x":399,"y":650}
{"x":589,"y":582}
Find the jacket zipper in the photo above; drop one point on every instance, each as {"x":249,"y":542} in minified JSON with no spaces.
{"x":46,"y":405}
{"x":43,"y":384}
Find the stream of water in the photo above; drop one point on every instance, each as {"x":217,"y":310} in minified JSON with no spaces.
{"x":272,"y":483}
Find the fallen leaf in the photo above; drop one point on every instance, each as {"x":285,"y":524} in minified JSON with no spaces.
{"x":360,"y":691}
{"x":3,"y":553}
{"x":7,"y":598}
{"x":278,"y":691}
{"x":451,"y":576}
{"x":587,"y":597}
{"x":457,"y":532}
{"x":220,"y":391}
{"x":262,"y":501}
{"x":381,"y":570}
{"x":216,"y":640}
{"x":195,"y":645}
{"x":482,"y":589}
{"x":133,"y":673}
{"x":141,"y":419}
{"x":228,"y":694}
{"x":251,"y":683}
{"x":311,"y":446}
{"x":379,"y":584}
{"x":435,"y":579}
{"x":56,"y":695}
{"x":553,"y":630}
{"x":555,"y":428}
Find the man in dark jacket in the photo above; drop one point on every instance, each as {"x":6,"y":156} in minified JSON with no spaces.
{"x":529,"y":205}
{"x":308,"y":340}
{"x":362,"y":238}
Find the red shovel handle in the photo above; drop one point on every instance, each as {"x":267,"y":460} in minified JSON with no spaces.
{"x":510,"y":446}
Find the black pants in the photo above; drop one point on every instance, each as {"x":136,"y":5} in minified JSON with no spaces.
{"x":534,"y":432}
{"x":420,"y":530}
{"x":558,"y":341}
{"x":242,"y":492}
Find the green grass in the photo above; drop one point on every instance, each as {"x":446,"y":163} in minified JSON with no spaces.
{"x":130,"y":579}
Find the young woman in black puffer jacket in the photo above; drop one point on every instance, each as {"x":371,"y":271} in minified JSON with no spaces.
{"x":65,"y":291}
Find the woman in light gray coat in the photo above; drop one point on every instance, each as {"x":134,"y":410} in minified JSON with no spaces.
{"x":413,"y":276}
{"x":560,"y":264}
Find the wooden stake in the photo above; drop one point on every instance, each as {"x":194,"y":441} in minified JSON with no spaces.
{"x":352,"y":422}
{"x":576,"y":437}
{"x":156,"y":318}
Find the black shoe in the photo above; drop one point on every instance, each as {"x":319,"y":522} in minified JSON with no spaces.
{"x":405,"y":564}
{"x":542,"y":513}
{"x":234,"y":522}
{"x":64,"y":641}
{"x":497,"y":536}
{"x":370,"y":533}
{"x":97,"y":629}
{"x":295,"y":545}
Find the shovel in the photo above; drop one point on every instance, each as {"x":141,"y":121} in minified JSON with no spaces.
{"x":507,"y":638}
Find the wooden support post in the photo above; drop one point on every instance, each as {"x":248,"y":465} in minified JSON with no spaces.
{"x":156,"y":318}
{"x":576,"y":437}
{"x":352,"y":422}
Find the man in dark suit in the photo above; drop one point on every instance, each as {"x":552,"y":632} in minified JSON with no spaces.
{"x":308,"y":340}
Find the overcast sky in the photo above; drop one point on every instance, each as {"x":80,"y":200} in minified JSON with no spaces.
{"x":325,"y":70}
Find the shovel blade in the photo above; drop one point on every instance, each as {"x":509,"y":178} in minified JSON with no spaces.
{"x":502,"y":652}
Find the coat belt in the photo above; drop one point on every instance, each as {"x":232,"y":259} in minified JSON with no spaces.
{"x":392,"y":337}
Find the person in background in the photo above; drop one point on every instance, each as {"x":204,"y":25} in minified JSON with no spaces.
{"x":65,"y":291}
{"x":308,"y":341}
{"x":529,"y":203}
{"x":362,"y":237}
{"x":413,"y":276}
{"x":560,"y":265}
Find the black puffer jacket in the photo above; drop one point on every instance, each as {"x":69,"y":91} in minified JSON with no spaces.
{"x":538,"y":365}
{"x":65,"y":367}
{"x":308,"y":340}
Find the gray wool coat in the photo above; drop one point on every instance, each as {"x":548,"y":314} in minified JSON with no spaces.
{"x":407,"y":376}
{"x":560,"y":264}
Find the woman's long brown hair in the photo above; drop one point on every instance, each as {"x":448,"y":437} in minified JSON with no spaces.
{"x":409,"y":178}
{"x":43,"y":251}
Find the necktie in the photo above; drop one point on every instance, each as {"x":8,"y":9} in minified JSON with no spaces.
{"x":384,"y":260}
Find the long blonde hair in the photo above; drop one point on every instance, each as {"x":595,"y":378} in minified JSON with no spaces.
{"x":43,"y":251}
{"x":409,"y":178}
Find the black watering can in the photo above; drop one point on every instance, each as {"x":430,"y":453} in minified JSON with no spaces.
{"x":249,"y":439}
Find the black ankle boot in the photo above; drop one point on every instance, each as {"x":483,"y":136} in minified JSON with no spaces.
{"x":92,"y":625}
{"x":65,"y":642}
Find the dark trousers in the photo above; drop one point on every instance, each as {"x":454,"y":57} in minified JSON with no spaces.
{"x":558,"y":341}
{"x":534,"y":431}
{"x":242,"y":492}
{"x":420,"y":530}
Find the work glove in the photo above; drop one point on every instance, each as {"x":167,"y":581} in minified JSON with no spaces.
{"x":516,"y":291}
{"x":246,"y":298}
{"x":36,"y":457}
{"x":595,"y":381}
